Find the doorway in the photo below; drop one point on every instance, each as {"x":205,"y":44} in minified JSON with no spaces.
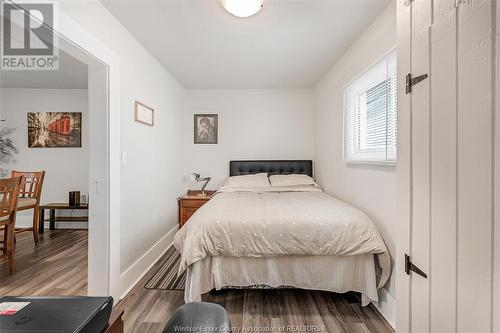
{"x":45,"y":115}
{"x":103,"y":257}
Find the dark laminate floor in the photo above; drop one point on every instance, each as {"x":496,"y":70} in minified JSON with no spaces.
{"x":58,"y":266}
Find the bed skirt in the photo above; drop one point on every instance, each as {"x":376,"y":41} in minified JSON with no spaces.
{"x":327,"y":273}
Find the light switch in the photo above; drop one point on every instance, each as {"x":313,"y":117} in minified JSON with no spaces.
{"x":124,"y":158}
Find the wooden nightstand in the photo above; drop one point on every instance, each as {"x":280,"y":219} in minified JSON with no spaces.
{"x":190,"y":202}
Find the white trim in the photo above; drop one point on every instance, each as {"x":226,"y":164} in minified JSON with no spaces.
{"x":344,"y":116}
{"x":386,"y":306}
{"x":132,"y":275}
{"x":103,"y":272}
{"x":81,"y":38}
{"x":384,"y":163}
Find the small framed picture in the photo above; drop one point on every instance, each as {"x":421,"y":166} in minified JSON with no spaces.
{"x":206,"y":127}
{"x":144,"y":114}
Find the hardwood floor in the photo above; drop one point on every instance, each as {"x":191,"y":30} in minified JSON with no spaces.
{"x":58,"y":266}
{"x":256,"y":310}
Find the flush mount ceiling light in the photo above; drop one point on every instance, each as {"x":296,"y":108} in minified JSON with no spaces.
{"x":243,"y":8}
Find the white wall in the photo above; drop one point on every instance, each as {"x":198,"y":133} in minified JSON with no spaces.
{"x":66,"y":168}
{"x":371,"y":188}
{"x":253,"y":124}
{"x":152,"y":179}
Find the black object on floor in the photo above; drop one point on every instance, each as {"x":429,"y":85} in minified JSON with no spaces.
{"x":54,"y":314}
{"x":199,"y":317}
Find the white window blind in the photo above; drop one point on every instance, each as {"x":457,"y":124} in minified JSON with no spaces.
{"x":370,"y":114}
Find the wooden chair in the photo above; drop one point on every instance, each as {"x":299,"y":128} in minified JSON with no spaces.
{"x":29,"y":197}
{"x":9,"y":193}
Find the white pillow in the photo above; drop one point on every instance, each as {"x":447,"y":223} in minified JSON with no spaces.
{"x":291,"y":180}
{"x":258,"y":180}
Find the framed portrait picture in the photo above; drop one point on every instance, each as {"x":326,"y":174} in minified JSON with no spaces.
{"x":206,"y":128}
{"x":54,"y":129}
{"x":144,"y":114}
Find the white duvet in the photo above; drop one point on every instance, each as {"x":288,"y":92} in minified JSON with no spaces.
{"x":265,"y":223}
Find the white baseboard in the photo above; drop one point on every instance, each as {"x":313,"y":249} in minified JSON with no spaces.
{"x":386,"y":305}
{"x":132,"y":275}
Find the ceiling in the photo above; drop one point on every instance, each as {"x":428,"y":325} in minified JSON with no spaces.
{"x":289,"y":44}
{"x":72,"y":74}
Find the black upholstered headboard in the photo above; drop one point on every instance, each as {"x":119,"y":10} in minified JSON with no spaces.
{"x":272,"y":167}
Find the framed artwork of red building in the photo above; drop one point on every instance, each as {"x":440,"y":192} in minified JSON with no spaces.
{"x":54,"y":129}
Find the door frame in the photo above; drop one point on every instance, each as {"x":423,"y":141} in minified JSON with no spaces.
{"x":404,"y":168}
{"x":104,"y":275}
{"x":104,"y":71}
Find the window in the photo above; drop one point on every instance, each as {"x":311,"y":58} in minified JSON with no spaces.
{"x":370,"y":114}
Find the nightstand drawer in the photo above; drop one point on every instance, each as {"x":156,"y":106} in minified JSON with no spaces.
{"x":187,"y":213}
{"x":189,"y":204}
{"x":193,"y":203}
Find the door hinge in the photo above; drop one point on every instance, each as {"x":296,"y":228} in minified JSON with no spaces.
{"x":411,"y":81}
{"x":409,"y":266}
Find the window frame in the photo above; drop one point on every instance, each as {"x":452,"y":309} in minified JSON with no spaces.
{"x":381,"y":162}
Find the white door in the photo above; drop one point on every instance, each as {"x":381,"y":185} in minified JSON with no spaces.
{"x":445,"y":166}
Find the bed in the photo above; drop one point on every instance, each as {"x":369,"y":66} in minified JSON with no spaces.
{"x":296,"y":237}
